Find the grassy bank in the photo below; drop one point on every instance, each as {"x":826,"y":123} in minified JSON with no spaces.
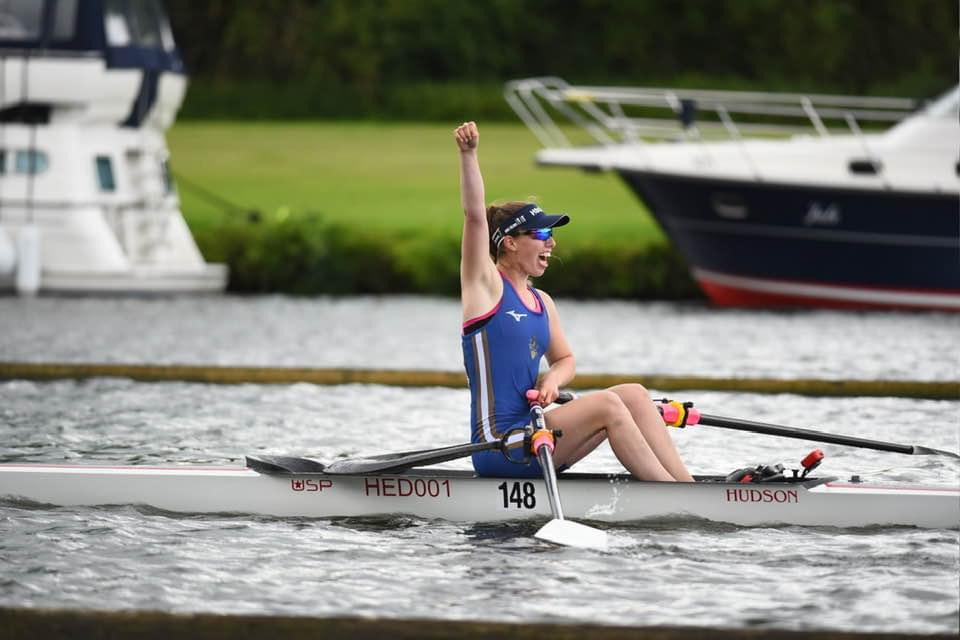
{"x":395,"y":178}
{"x":387,"y":194}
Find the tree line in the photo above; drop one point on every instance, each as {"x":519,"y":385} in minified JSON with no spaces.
{"x":384,"y":57}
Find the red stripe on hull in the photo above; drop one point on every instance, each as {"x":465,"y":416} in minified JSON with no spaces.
{"x":729,"y":296}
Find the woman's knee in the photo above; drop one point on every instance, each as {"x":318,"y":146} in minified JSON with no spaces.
{"x":632,"y":392}
{"x":612,"y":406}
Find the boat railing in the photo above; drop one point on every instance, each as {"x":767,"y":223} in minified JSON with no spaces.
{"x":615,"y":115}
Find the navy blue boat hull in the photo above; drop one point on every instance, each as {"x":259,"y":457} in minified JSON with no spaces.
{"x":762,"y":244}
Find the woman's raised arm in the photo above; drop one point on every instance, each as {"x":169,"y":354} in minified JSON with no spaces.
{"x":475,"y":264}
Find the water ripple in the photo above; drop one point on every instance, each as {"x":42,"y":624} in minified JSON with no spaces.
{"x":659,"y":573}
{"x":422,"y":333}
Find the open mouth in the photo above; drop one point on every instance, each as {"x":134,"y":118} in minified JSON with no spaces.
{"x":543,"y":258}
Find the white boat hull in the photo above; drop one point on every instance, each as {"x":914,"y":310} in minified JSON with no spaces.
{"x":208,"y":278}
{"x":460,"y":496}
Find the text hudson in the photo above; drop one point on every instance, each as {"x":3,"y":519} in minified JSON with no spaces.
{"x":781,"y":496}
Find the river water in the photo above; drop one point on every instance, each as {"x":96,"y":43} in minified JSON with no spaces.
{"x":693,"y":574}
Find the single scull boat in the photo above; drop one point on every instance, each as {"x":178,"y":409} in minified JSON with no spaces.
{"x":392,"y":484}
{"x":279,"y":486}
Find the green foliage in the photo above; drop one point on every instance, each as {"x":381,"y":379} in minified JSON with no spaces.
{"x":418,"y":59}
{"x":654,"y":271}
{"x":415,"y":101}
{"x":303,"y":253}
{"x":391,"y":215}
{"x":430,"y":262}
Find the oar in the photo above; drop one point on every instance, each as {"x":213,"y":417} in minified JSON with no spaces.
{"x":397,"y":462}
{"x":558,"y":530}
{"x":670,"y":414}
{"x":820,"y":436}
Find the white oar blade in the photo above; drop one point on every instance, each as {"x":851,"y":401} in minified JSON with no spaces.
{"x":573,"y":534}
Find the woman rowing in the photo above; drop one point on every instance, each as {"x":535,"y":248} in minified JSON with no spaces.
{"x":509,"y":326}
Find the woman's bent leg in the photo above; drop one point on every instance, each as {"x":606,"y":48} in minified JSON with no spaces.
{"x":648,"y":421}
{"x":584,"y":418}
{"x":591,"y":443}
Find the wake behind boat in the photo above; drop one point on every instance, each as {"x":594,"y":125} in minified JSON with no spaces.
{"x":299,"y":487}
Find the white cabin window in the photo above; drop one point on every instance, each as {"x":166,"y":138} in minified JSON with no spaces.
{"x":140,"y":24}
{"x":21,"y":19}
{"x":115,"y":24}
{"x":145,"y":22}
{"x":105,"y":174}
{"x":166,"y":34}
{"x":31,"y":161}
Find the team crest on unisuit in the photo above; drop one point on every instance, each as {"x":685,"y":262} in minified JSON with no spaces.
{"x":534,"y":348}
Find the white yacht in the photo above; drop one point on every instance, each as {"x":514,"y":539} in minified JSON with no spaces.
{"x":807,"y":200}
{"x":87,"y":200}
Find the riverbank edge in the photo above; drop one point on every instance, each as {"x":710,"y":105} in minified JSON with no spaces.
{"x":46,"y":371}
{"x":51,"y":624}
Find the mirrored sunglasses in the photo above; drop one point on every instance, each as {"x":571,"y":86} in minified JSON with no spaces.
{"x":540,"y":234}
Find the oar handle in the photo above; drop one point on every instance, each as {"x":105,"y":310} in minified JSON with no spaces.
{"x":678,"y":414}
{"x":541,"y":437}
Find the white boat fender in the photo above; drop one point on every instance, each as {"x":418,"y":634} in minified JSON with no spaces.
{"x":27,"y":280}
{"x":8,"y":254}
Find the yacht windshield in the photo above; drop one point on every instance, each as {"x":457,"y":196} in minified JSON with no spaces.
{"x":137,"y":23}
{"x":21,"y":19}
{"x":947,"y":105}
{"x":23,"y":22}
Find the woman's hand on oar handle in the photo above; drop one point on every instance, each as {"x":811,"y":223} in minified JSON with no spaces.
{"x":561,"y":397}
{"x":467,"y":136}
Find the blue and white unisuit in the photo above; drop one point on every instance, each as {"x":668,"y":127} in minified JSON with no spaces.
{"x":501,"y":353}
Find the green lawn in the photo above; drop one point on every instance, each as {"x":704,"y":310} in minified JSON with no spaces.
{"x":397,"y":178}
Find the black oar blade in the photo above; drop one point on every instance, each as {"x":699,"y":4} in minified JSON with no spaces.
{"x":927,"y":451}
{"x":283,"y":465}
{"x":395,"y":463}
